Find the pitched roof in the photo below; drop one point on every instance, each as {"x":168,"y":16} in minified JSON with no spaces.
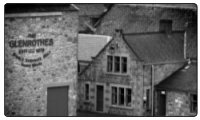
{"x":157,"y":47}
{"x":37,"y":7}
{"x":182,"y":80}
{"x":139,"y":18}
{"x":91,"y":9}
{"x":90,"y":45}
{"x":168,"y":5}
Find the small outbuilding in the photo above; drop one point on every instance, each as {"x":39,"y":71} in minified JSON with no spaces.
{"x":177,"y":94}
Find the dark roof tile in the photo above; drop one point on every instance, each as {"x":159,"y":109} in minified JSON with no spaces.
{"x":157,"y":47}
{"x":182,"y":80}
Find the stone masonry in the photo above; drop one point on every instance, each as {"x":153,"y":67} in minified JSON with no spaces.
{"x":178,"y":104}
{"x":138,"y":78}
{"x":96,"y":74}
{"x":26,"y":87}
{"x":140,"y":19}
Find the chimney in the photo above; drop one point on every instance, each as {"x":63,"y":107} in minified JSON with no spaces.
{"x":165,"y":26}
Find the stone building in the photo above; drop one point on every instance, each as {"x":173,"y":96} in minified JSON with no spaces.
{"x":139,"y":18}
{"x":40,"y":59}
{"x":144,"y":20}
{"x":177,"y":94}
{"x":121,"y":78}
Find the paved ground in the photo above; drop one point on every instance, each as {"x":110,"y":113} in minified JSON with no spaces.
{"x":92,"y":114}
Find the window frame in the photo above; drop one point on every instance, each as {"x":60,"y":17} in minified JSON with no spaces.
{"x":85,"y":92}
{"x":115,"y":95}
{"x":127,"y":95}
{"x":108,"y":63}
{"x":192,"y":102}
{"x":125,"y":105}
{"x":120,"y":72}
{"x":148,"y":98}
{"x":122,"y":65}
{"x":117,"y":64}
{"x":121,"y":96}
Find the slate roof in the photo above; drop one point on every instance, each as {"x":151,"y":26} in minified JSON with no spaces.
{"x":157,"y":47}
{"x":182,"y":80}
{"x":90,"y":45}
{"x":37,"y":7}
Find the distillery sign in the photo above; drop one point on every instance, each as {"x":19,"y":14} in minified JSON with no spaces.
{"x":31,"y":52}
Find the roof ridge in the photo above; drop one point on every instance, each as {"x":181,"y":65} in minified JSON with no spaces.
{"x":161,"y":5}
{"x":154,"y":32}
{"x":156,"y":46}
{"x":94,"y":35}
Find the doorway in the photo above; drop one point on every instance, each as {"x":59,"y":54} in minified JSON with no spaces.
{"x":57,"y":101}
{"x":99,"y":98}
{"x":161,"y":103}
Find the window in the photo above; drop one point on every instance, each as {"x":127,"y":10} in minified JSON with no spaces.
{"x":165,"y":25}
{"x":124,"y":64}
{"x":86,"y":91}
{"x":110,"y":64}
{"x":78,"y":67}
{"x":116,"y":64}
{"x":128,"y":97}
{"x":114,"y":95}
{"x":148,"y":99}
{"x":121,"y":96}
{"x":193,"y":103}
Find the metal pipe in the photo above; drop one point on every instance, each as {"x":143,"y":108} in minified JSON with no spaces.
{"x":185,"y":45}
{"x":152,"y":89}
{"x":185,"y":41}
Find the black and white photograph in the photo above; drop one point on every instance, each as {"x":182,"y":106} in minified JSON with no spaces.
{"x":100,"y":59}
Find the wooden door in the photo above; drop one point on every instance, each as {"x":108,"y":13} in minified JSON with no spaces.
{"x":57,"y":101}
{"x":99,"y":98}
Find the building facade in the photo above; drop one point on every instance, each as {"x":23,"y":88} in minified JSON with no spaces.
{"x":177,"y":94}
{"x":40,"y":59}
{"x":139,"y":18}
{"x":120,"y":79}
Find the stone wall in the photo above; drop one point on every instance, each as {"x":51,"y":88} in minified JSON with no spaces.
{"x":140,"y":19}
{"x":161,"y":72}
{"x":96,"y":74}
{"x":138,"y":78}
{"x":178,"y":104}
{"x":26,"y":86}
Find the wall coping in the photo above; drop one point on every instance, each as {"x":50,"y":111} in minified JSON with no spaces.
{"x":33,"y":14}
